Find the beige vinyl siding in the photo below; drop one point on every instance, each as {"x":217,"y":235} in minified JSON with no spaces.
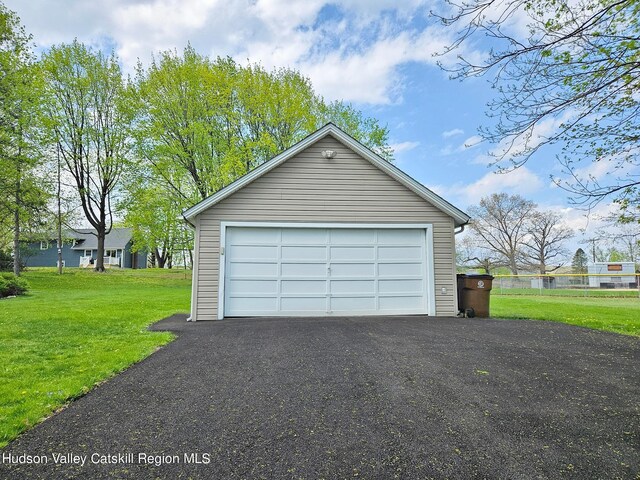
{"x":310,"y":188}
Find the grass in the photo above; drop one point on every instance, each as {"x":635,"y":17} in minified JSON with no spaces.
{"x":620,"y":315}
{"x":73,"y":331}
{"x":76,"y":330}
{"x":566,"y":292}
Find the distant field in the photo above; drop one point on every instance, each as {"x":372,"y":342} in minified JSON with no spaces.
{"x":565,"y":292}
{"x":74,"y":331}
{"x":620,"y":315}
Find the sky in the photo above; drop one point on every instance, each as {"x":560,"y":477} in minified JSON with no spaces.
{"x":373,"y":53}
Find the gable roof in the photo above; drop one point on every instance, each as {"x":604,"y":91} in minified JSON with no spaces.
{"x":458,"y":215}
{"x":87,"y":240}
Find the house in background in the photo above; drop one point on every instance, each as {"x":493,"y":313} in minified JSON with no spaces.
{"x":80,"y":248}
{"x":612,"y":275}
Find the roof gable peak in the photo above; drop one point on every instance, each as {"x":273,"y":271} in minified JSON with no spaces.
{"x":459,"y":216}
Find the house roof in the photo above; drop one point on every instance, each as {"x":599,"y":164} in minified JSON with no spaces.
{"x":87,"y":240}
{"x":458,"y":215}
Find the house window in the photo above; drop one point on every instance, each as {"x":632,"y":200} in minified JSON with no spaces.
{"x":44,"y":245}
{"x":110,"y":253}
{"x":87,"y":253}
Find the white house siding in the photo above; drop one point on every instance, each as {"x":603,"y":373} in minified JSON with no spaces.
{"x":310,"y":188}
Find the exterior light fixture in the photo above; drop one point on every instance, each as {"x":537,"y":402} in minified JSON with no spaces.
{"x":329,"y":153}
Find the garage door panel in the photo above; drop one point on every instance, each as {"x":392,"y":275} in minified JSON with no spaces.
{"x":303,"y":253}
{"x":353,"y":286}
{"x":400,"y":253}
{"x":400,"y":269}
{"x":348,"y":304}
{"x":247,"y":269}
{"x":263,"y":253}
{"x":400,"y":237}
{"x":303,"y":286}
{"x":348,"y":236}
{"x":304,"y":236}
{"x":249,"y":287}
{"x":304,"y":270}
{"x":257,"y":235}
{"x":353,"y":270}
{"x":304,"y":304}
{"x":400,"y":286}
{"x":353,"y":253}
{"x":247,"y":305}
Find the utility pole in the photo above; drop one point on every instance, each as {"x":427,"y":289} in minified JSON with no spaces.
{"x":59,"y":216}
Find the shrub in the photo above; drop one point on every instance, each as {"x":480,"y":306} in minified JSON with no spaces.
{"x":6,"y":261}
{"x":12,"y":285}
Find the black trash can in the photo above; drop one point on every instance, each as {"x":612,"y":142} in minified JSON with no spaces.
{"x":474,"y":292}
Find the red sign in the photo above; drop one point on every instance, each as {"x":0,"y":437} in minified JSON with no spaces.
{"x":614,"y":267}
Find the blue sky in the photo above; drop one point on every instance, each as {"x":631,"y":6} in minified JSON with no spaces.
{"x":373,"y":53}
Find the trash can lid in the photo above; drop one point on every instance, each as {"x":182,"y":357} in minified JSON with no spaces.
{"x":480,"y":276}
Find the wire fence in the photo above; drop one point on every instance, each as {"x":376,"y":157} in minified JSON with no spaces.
{"x":568,"y":284}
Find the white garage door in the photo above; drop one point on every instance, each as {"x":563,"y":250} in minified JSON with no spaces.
{"x":324,"y":271}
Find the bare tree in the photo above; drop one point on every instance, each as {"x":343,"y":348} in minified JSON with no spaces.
{"x":544,"y":243}
{"x":472,"y":253}
{"x":570,"y":77}
{"x":87,"y":118}
{"x":500,"y":220}
{"x":622,"y":237}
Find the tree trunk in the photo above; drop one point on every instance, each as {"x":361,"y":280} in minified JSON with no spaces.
{"x":59,"y":219}
{"x":160,"y":259}
{"x":16,"y":241}
{"x":16,"y":225}
{"x":100,"y":254}
{"x":513,"y":267}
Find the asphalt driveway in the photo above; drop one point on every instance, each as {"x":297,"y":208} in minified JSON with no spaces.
{"x":409,"y":397}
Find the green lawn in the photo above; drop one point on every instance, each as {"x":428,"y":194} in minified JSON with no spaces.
{"x":74,"y":331}
{"x":621,"y":315}
{"x":566,"y":292}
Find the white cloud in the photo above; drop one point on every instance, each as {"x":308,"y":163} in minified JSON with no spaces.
{"x":369,"y":73}
{"x":354,"y":55}
{"x":521,"y":181}
{"x":404,"y":146}
{"x":452,"y":133}
{"x":470,"y":142}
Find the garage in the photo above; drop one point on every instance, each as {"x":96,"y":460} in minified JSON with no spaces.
{"x":316,"y":270}
{"x":326,"y":228}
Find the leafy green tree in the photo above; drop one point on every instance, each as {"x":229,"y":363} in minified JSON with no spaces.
{"x":614,"y":255}
{"x":22,"y":190}
{"x":364,"y":129}
{"x":154,"y":215}
{"x":88,"y":117}
{"x":579,"y":262}
{"x":207,"y":122}
{"x":202,"y":123}
{"x":571,"y":78}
